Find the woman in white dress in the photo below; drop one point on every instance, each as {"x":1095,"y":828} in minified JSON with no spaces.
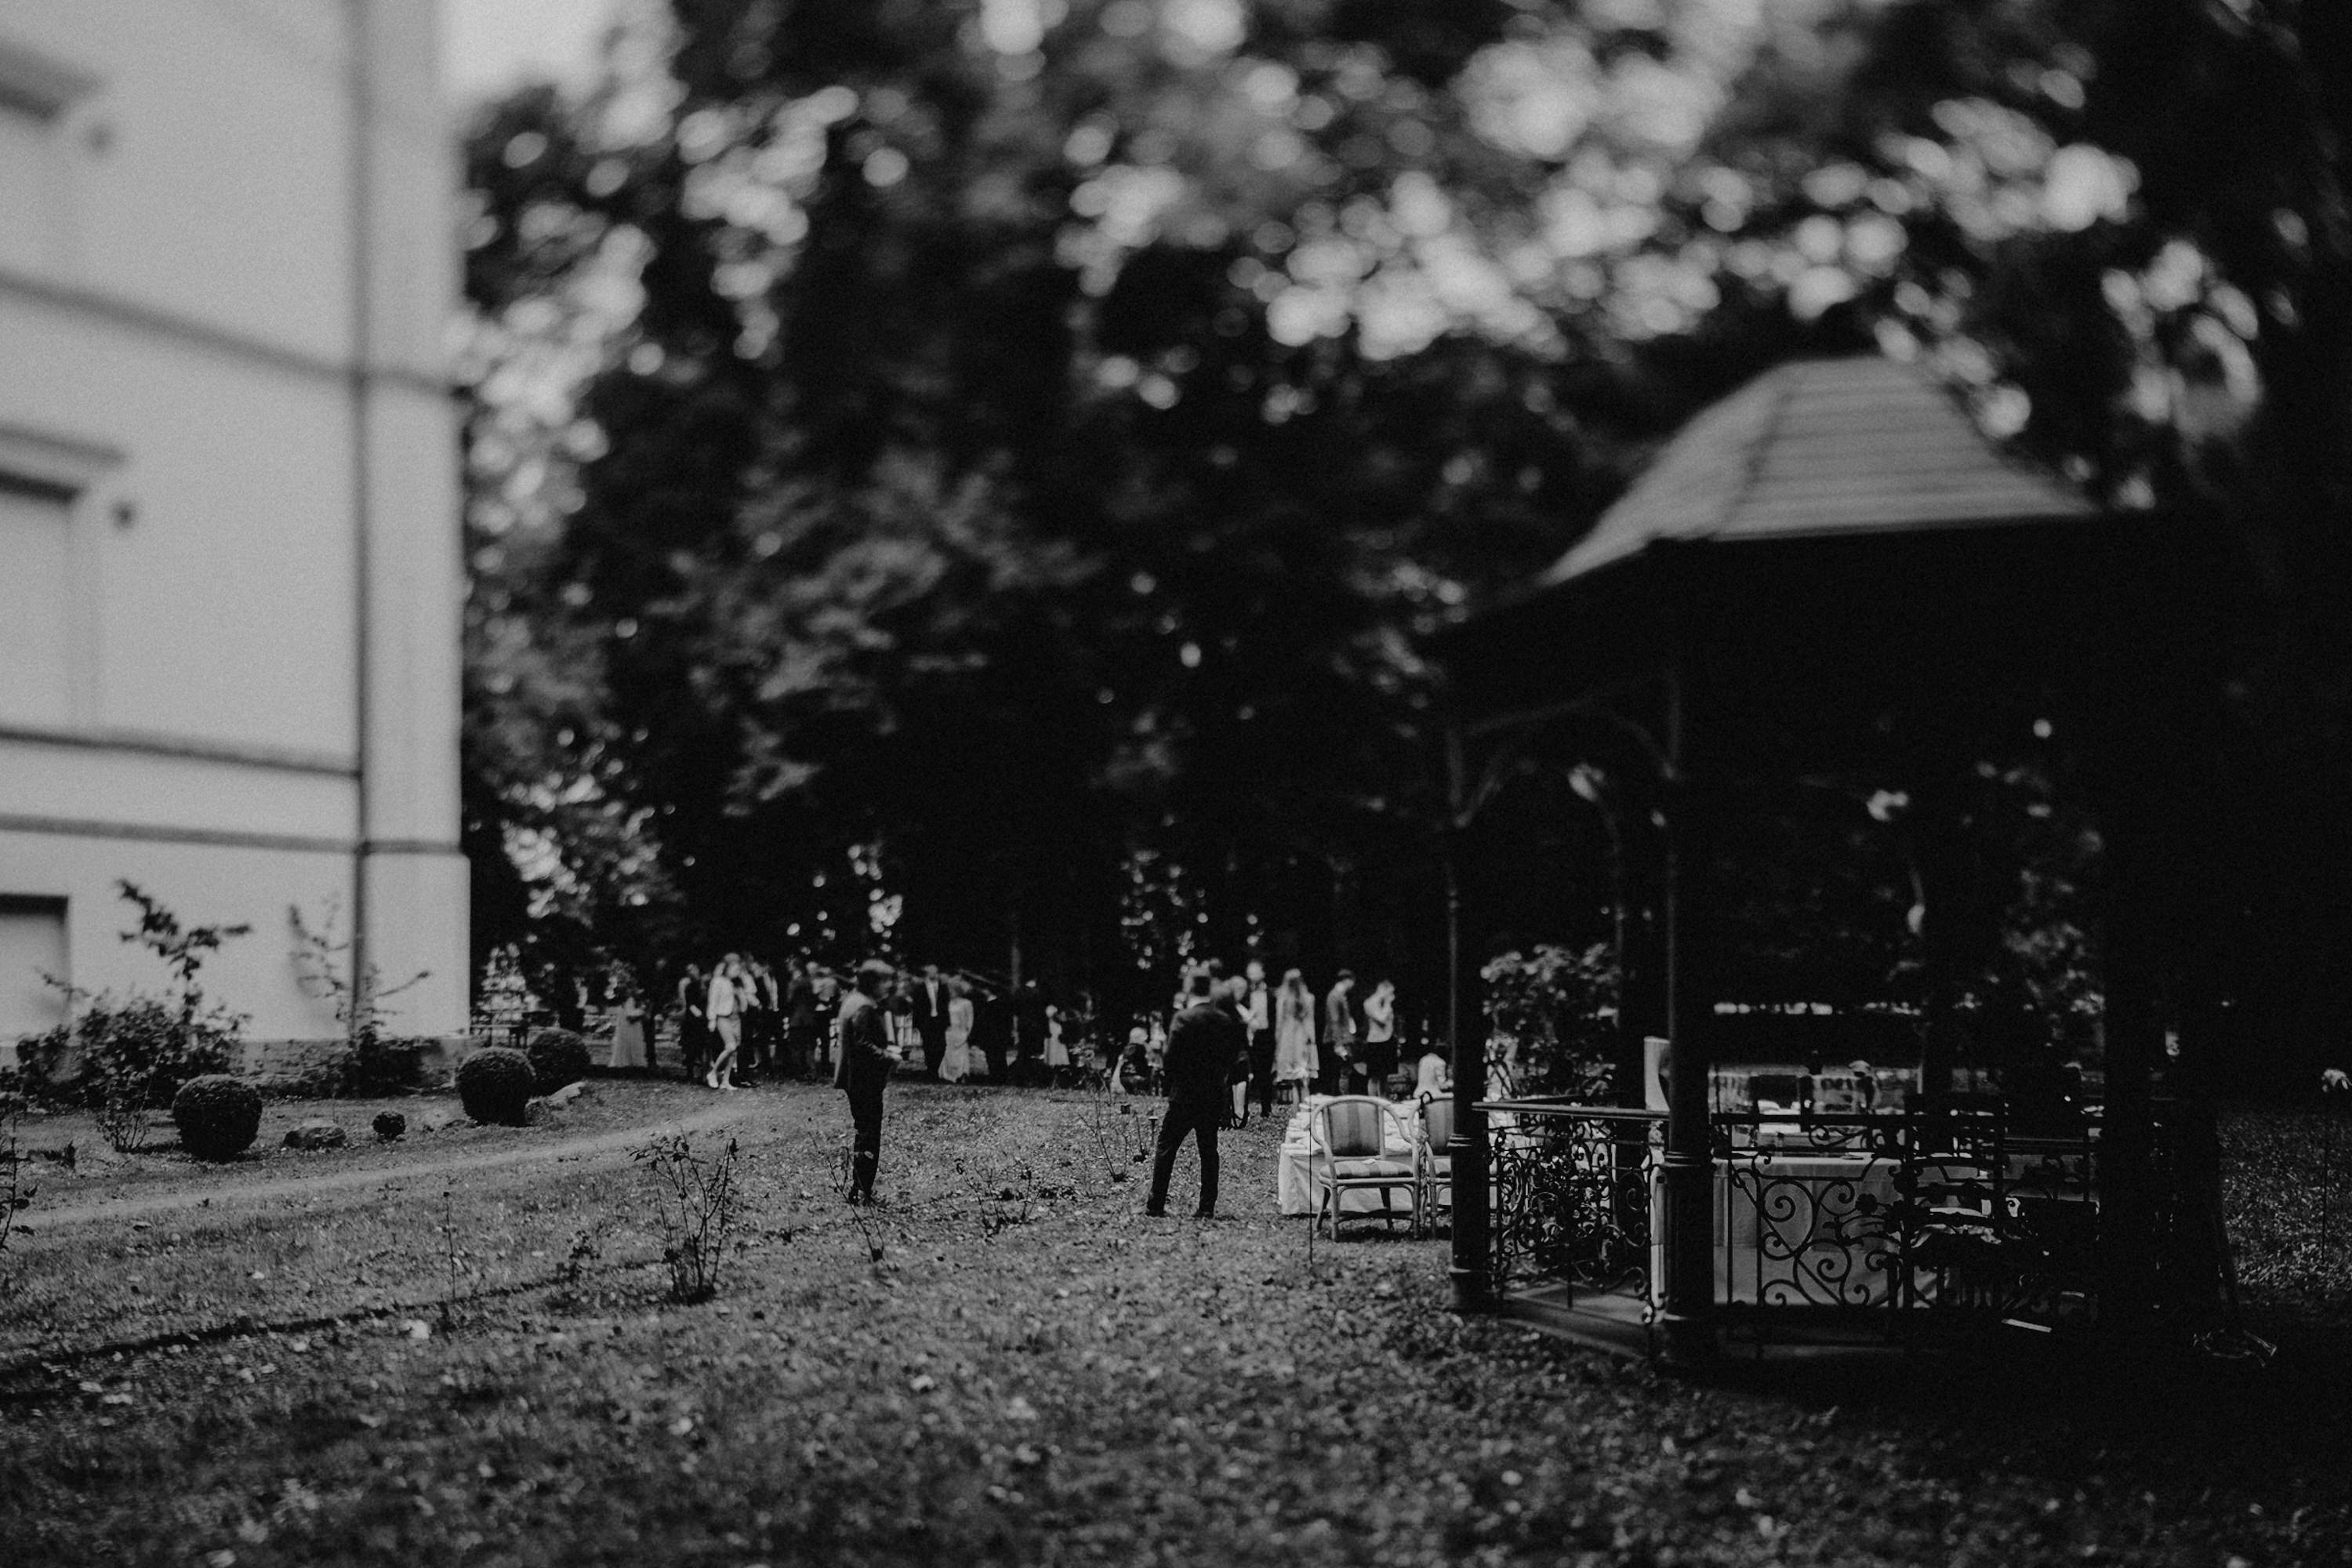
{"x":1294,"y":1062}
{"x":1058,"y":1049}
{"x":725,"y":1011}
{"x":628,"y":1052}
{"x":960,"y":1061}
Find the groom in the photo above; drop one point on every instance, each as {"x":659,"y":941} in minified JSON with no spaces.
{"x":930,"y":1009}
{"x":863,"y":1071}
{"x":1202,"y":1044}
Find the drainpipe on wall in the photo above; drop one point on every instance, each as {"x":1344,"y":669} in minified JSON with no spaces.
{"x":363,"y":185}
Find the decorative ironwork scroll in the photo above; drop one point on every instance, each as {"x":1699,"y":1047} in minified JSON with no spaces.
{"x":1884,"y":1225}
{"x":1572,"y":1198}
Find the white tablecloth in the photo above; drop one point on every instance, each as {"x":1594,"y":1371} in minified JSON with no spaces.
{"x":1295,"y":1193}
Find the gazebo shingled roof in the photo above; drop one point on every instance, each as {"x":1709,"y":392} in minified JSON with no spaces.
{"x":1853,"y":445}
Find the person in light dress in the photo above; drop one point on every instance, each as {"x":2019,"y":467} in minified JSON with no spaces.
{"x":729,"y":984}
{"x":1295,"y":1063}
{"x":958,"y":1060}
{"x":629,"y":1053}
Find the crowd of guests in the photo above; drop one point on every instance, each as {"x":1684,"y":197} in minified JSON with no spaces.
{"x":742,"y":1021}
{"x":1293,"y":1043}
{"x":1234,"y":1039}
{"x":1229,"y":1041}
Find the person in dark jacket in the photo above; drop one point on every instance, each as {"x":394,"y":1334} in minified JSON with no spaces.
{"x":1202,"y":1044}
{"x":929,"y":997}
{"x":863,"y":1071}
{"x":801,"y":1028}
{"x":693,"y":1027}
{"x":1029,"y":1033}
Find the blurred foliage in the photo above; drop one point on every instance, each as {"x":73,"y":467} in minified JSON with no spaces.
{"x":1559,"y":1007}
{"x":990,"y":460}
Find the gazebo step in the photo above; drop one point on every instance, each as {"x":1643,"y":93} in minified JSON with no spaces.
{"x":1599,"y":1320}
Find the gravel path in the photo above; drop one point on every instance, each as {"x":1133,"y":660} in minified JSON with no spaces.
{"x":600,"y":1147}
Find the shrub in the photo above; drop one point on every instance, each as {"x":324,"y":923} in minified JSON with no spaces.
{"x":120,"y":1058}
{"x":1559,"y":1005}
{"x":381,"y":1064}
{"x":218,"y":1116}
{"x":50,"y":1069}
{"x":558,"y":1057}
{"x":15,"y":1174}
{"x":389,"y":1125}
{"x":494,"y":1085}
{"x":123,"y":1058}
{"x":697,"y":1201}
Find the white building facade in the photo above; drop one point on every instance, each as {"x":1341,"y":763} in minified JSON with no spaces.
{"x":230,"y":561}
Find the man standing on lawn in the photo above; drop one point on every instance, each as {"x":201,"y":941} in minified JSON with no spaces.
{"x":930,"y":1000}
{"x":863,"y":1071}
{"x":1202,"y":1046}
{"x":1257,"y":1019}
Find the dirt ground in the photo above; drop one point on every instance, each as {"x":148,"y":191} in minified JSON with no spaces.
{"x":459,"y":1349}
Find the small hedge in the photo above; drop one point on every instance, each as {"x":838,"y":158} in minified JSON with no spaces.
{"x":494,"y":1085}
{"x":219,"y":1116}
{"x":558,"y":1057}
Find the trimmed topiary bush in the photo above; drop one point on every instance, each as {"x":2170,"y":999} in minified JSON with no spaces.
{"x":494,"y":1085}
{"x":218,"y":1116}
{"x":558,"y":1057}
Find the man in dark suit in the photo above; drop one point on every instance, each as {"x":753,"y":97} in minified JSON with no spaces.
{"x":1029,"y":1033}
{"x":863,"y":1071}
{"x":991,"y":1033}
{"x":1340,"y":1065}
{"x":1202,"y":1044}
{"x":931,"y":1008}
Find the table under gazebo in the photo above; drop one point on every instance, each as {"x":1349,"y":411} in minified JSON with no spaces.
{"x":1830,"y":545}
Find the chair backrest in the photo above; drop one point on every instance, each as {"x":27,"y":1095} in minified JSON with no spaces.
{"x":1351,"y":1127}
{"x":1437,"y":1125}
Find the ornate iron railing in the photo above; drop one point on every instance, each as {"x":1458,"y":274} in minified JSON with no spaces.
{"x":1879,"y":1225}
{"x":1573,"y":1199}
{"x":1893,"y":1222}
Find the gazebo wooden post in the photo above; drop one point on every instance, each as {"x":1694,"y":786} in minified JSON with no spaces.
{"x":1687,"y":1320}
{"x":2135,"y":717}
{"x":2134,"y":1043}
{"x":1466,"y":1046}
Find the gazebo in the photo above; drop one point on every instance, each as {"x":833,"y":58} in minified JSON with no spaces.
{"x":1831,"y":555}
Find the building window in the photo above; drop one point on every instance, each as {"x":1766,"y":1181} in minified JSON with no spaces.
{"x":32,"y":951}
{"x":45,"y":482}
{"x":35,"y":605}
{"x":36,"y":187}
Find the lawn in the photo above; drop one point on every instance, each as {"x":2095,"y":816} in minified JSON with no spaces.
{"x":1007,"y":1362}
